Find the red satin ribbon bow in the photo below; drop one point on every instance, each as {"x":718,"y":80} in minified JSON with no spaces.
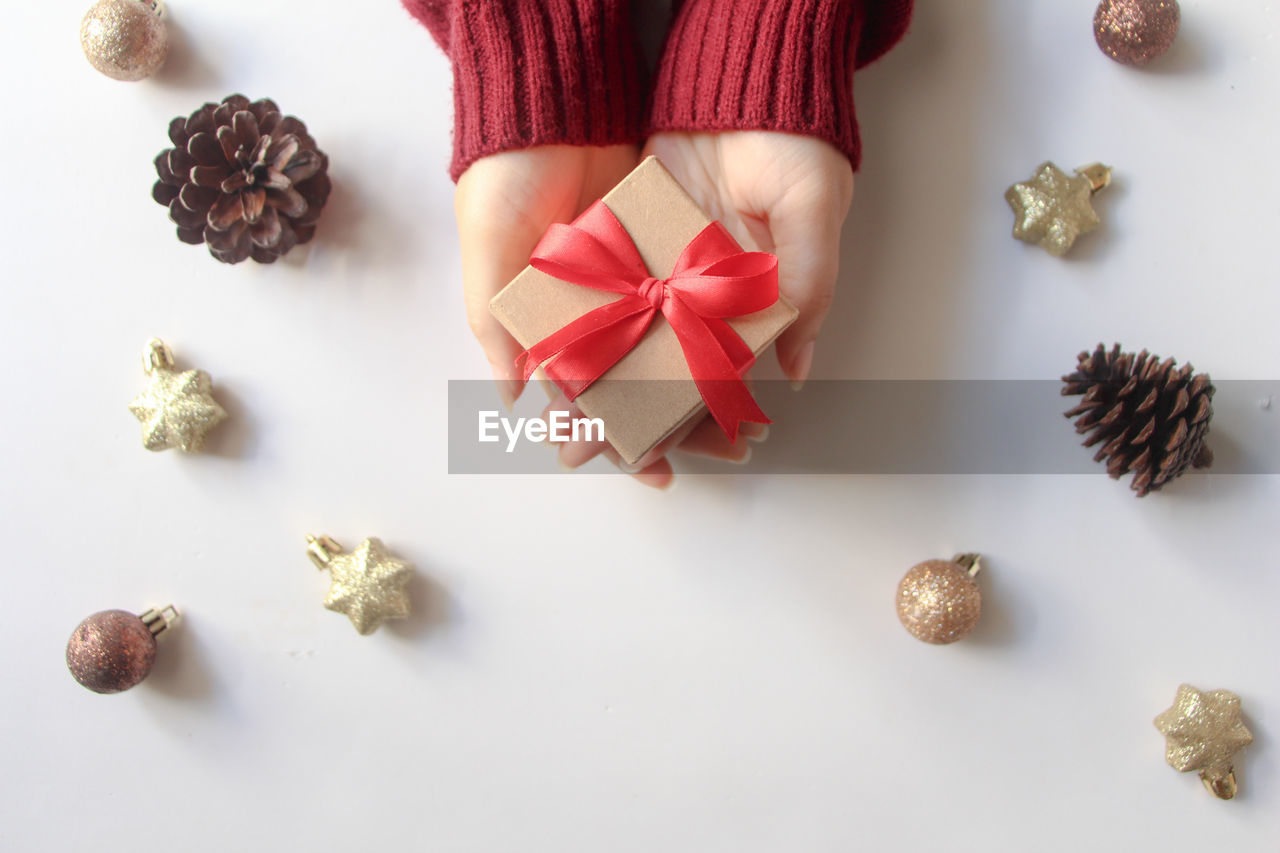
{"x":713,"y":279}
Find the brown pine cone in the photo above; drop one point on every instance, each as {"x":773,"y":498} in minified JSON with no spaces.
{"x":243,"y":178}
{"x":1150,"y":417}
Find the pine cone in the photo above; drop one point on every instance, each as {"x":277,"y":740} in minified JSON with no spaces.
{"x":243,"y":178}
{"x":1150,"y":417}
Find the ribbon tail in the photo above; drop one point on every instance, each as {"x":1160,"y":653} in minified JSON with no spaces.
{"x":740,"y":355}
{"x":715,"y":372}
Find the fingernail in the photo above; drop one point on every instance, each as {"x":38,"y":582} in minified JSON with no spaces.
{"x":746,"y":457}
{"x":755,"y":432}
{"x":801,"y":365}
{"x":627,"y":468}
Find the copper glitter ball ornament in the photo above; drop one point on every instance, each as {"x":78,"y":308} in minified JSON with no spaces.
{"x":938,"y":600}
{"x":125,"y":39}
{"x":1134,"y":32}
{"x":113,"y":650}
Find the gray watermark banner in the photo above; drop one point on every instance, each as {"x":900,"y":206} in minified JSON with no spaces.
{"x":880,"y":427}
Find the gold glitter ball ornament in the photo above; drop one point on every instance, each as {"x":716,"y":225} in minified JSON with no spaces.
{"x":1203,"y":731}
{"x":177,"y":409}
{"x":125,"y":39}
{"x":1134,"y":32}
{"x":938,"y":600}
{"x":369,"y":585}
{"x":113,"y":650}
{"x":1053,"y":208}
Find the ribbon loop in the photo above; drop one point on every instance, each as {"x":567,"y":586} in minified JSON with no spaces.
{"x":713,"y":279}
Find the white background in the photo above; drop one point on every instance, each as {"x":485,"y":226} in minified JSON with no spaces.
{"x":594,"y":666}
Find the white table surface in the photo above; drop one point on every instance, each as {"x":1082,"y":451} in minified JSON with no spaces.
{"x":594,"y":666}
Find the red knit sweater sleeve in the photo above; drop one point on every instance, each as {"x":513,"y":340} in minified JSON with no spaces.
{"x":538,"y":72}
{"x":784,"y":65}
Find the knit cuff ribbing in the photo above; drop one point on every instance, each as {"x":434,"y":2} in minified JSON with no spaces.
{"x":783,"y":65}
{"x":538,"y":72}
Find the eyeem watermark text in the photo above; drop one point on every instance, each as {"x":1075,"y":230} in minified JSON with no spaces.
{"x":559,"y":427}
{"x":875,"y":427}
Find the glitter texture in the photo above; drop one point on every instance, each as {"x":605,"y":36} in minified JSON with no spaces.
{"x":124,"y":39}
{"x":1203,"y":731}
{"x":369,"y":585}
{"x":938,"y":602}
{"x":1134,"y":32}
{"x":111,"y":651}
{"x":1053,"y":208}
{"x":177,"y":409}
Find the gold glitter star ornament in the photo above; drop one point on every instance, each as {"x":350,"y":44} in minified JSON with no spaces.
{"x":1053,"y":208}
{"x":178,"y":408}
{"x":1203,"y":731}
{"x":369,"y":585}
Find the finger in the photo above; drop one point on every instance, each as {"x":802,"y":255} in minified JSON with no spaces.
{"x":805,"y":227}
{"x":558,"y":402}
{"x":572,"y":453}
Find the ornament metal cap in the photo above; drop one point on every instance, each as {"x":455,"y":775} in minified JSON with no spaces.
{"x":157,"y":356}
{"x":160,"y":619}
{"x":971,"y":563}
{"x":1099,"y":176}
{"x":321,"y":550}
{"x":368,"y":584}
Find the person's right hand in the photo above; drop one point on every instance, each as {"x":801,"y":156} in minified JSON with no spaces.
{"x":504,"y":203}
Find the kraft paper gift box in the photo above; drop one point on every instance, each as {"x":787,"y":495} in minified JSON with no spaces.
{"x":661,"y":220}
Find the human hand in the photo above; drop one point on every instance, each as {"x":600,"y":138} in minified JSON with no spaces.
{"x":504,"y":203}
{"x":776,"y":192}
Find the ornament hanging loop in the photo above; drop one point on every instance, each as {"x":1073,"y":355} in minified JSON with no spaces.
{"x":971,"y":563}
{"x":1098,"y":175}
{"x":321,"y":550}
{"x":1222,"y":786}
{"x":157,"y":356}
